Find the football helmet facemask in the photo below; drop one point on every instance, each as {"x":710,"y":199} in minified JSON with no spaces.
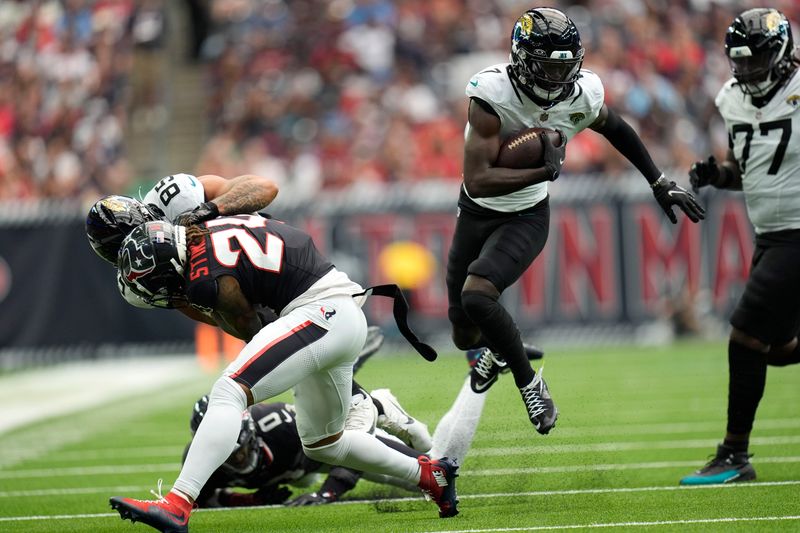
{"x":113,"y":217}
{"x":245,"y":455}
{"x":546,"y":53}
{"x":760,"y":50}
{"x":151,"y":263}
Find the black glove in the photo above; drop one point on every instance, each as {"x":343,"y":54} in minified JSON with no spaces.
{"x":553,"y":156}
{"x":668,"y":194}
{"x":704,"y":173}
{"x":312,"y":498}
{"x":199,"y":214}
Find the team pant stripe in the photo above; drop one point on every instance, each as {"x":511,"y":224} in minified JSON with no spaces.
{"x":278,"y":351}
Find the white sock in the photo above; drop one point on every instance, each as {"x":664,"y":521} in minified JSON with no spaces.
{"x":455,"y":431}
{"x":362,"y":451}
{"x":215,"y":438}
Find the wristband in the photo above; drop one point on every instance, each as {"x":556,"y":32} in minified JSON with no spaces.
{"x":662,"y":180}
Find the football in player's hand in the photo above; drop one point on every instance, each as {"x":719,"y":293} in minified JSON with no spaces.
{"x":524,"y":149}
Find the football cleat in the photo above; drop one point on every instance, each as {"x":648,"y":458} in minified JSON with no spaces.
{"x":169,"y":514}
{"x":438,"y":482}
{"x":542,"y":412}
{"x":396,"y":421}
{"x":727,"y":466}
{"x":362,"y":415}
{"x":485,"y":372}
{"x":531,"y":351}
{"x":371,"y":346}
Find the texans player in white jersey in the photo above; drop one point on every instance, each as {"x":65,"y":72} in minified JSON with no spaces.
{"x":761,"y":109}
{"x":225,"y":267}
{"x":503,"y":213}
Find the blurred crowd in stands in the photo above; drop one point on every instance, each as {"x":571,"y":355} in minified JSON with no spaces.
{"x":324,"y":93}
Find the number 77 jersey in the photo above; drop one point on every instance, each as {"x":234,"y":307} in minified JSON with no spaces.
{"x":273,"y":262}
{"x":766,"y":143}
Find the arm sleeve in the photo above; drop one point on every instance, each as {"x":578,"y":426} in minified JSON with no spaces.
{"x":622,"y":137}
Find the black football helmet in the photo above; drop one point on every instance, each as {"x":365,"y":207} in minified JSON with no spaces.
{"x":111,"y":218}
{"x":760,"y":50}
{"x":151,"y":263}
{"x":245,"y":456}
{"x":546,"y":53}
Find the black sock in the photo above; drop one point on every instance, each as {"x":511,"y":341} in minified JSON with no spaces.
{"x":736,"y":446}
{"x":748,"y":374}
{"x":500,"y":331}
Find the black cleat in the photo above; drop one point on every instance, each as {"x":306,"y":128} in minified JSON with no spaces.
{"x":727,"y":466}
{"x":485,"y":371}
{"x":542,"y":412}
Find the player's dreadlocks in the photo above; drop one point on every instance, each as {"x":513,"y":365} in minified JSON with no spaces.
{"x":195,"y":234}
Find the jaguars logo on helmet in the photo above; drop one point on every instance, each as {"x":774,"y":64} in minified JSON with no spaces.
{"x":760,"y":50}
{"x":113,"y":217}
{"x":546,"y":54}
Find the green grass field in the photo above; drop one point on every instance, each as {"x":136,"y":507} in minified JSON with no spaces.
{"x":633,"y":421}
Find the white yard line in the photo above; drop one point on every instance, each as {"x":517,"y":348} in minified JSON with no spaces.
{"x":104,"y":470}
{"x":622,"y":446}
{"x":729,"y":519}
{"x":532,"y":494}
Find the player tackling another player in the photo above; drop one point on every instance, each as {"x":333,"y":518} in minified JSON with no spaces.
{"x":503,"y":213}
{"x":761,"y":109}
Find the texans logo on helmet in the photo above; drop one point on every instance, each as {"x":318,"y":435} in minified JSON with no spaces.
{"x":135,"y":262}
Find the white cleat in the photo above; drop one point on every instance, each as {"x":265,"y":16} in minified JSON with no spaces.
{"x":396,"y":421}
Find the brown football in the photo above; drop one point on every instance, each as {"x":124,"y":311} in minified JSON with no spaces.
{"x":524,"y":149}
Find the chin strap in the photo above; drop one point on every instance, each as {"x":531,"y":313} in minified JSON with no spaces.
{"x":400,"y":310}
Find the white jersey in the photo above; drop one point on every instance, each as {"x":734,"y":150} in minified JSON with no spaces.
{"x":766,"y":143}
{"x":173,"y":195}
{"x":518,"y":112}
{"x":176,"y":194}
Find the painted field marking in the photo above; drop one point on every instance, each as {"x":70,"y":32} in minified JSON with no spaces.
{"x":571,"y":492}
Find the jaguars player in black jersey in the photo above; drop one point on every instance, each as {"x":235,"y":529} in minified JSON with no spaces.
{"x":225,"y":267}
{"x":761,"y":108}
{"x":503,"y":213}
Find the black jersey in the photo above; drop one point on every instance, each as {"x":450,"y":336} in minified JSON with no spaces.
{"x":281,"y":458}
{"x":273,"y":262}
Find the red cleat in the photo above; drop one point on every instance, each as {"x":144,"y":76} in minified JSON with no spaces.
{"x":438,"y":481}
{"x":168,"y":515}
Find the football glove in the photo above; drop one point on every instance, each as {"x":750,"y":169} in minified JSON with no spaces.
{"x":704,"y":173}
{"x":553,"y":156}
{"x":669,"y":194}
{"x":201,"y":213}
{"x":312,"y":498}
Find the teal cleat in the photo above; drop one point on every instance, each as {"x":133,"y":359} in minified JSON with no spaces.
{"x":726,"y":467}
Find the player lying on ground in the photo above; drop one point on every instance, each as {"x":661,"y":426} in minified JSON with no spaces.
{"x":761,"y":109}
{"x":222,"y":268}
{"x":269,"y":455}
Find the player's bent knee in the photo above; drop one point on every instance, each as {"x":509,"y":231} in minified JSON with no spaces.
{"x":478,"y":305}
{"x":228,"y":392}
{"x":740,"y":337}
{"x":478,"y":283}
{"x":466,"y":338}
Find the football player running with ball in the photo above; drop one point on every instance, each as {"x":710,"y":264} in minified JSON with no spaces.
{"x":503,"y":213}
{"x":761,"y":109}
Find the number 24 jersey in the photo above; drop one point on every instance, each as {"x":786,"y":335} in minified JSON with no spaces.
{"x":273,"y":262}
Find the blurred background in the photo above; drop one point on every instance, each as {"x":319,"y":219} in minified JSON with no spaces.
{"x":357,"y":109}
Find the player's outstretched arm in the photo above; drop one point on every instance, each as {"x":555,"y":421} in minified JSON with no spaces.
{"x":667,"y":193}
{"x":725,"y":175}
{"x":481,"y":147}
{"x":243,"y":194}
